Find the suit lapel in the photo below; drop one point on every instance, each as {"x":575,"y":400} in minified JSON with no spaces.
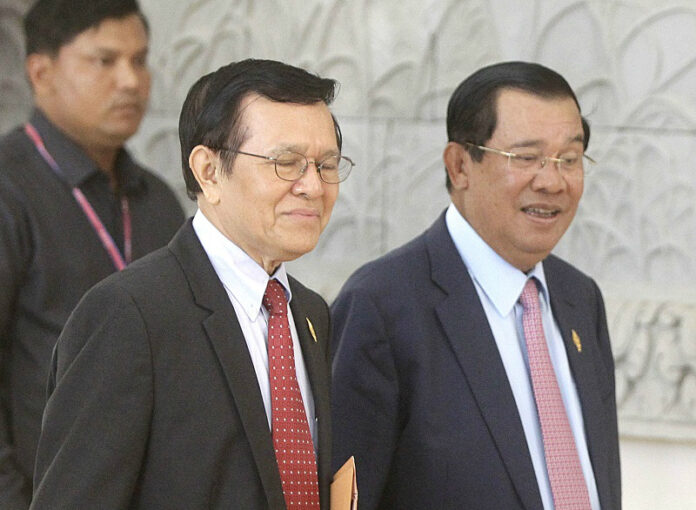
{"x":583,"y":364}
{"x":312,"y":351}
{"x":464,"y":321}
{"x":227,"y":340}
{"x":314,"y":354}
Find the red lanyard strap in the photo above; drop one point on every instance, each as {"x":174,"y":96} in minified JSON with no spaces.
{"x":107,"y":241}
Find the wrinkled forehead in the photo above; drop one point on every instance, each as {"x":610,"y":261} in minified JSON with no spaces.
{"x":521,"y":114}
{"x":279,"y":122}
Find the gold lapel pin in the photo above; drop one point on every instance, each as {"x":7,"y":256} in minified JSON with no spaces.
{"x":576,"y":340}
{"x":311,"y":329}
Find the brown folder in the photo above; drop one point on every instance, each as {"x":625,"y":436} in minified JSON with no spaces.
{"x":344,"y":488}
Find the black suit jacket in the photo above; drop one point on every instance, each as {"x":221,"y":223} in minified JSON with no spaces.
{"x":420,"y":394}
{"x":154,"y":401}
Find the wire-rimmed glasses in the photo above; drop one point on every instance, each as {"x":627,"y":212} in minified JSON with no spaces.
{"x":291,"y":166}
{"x":570,"y":163}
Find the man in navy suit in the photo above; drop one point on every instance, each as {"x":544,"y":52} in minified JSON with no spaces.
{"x":165,"y":389}
{"x":438,"y":387}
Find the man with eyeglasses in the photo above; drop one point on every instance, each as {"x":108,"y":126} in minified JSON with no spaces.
{"x":198,"y":378}
{"x":472,"y":368}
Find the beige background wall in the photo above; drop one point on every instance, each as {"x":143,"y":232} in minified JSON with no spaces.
{"x":633,"y":64}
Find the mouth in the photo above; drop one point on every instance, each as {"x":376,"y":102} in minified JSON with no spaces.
{"x":307,"y":214}
{"x":127,"y":108}
{"x":541,"y":212}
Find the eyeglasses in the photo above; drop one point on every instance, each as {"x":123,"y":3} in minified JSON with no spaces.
{"x":291,"y":166}
{"x":570,"y":163}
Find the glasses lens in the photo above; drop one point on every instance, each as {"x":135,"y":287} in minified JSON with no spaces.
{"x":290,"y":165}
{"x":335,"y":169}
{"x":571,"y":162}
{"x":525,"y":161}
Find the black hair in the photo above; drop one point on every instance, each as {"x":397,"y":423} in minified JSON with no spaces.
{"x":211,"y":116}
{"x":472,"y":109}
{"x":51,"y":24}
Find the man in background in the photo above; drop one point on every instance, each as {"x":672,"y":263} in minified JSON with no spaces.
{"x":198,"y":378}
{"x":74,"y":206}
{"x":473,"y":369}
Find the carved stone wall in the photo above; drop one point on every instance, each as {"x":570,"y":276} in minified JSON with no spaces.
{"x":654,"y":341}
{"x":15,"y":96}
{"x":632,"y":62}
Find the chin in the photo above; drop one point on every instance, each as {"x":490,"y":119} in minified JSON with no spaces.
{"x":298,"y":249}
{"x":118,"y":138}
{"x":125,"y":126}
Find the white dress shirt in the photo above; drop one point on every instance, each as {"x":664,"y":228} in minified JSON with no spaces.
{"x":245,"y":282}
{"x":499,"y":286}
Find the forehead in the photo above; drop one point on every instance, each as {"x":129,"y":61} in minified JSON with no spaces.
{"x":523,"y":114}
{"x":272,"y":122}
{"x":127,"y":34}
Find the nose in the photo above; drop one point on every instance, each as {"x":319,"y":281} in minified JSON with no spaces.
{"x":310,"y":183}
{"x":128,"y":76}
{"x":549,"y":178}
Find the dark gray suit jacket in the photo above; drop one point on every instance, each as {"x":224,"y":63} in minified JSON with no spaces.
{"x":154,"y":401}
{"x":420,"y":394}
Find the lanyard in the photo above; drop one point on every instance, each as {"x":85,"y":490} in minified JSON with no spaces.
{"x":107,"y":241}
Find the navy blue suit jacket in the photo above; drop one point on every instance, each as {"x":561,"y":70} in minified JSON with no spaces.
{"x":420,"y":394}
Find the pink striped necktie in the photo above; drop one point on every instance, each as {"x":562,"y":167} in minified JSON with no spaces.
{"x":292,"y":439}
{"x":562,"y":461}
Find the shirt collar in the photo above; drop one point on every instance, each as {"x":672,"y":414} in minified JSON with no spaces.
{"x":239,"y":273}
{"x":500,"y":281}
{"x":77,"y":167}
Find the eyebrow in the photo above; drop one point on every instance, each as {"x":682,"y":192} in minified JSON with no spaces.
{"x":104,"y":51}
{"x":579,"y":138}
{"x":301,"y":149}
{"x":289,"y":147}
{"x":111,"y":50}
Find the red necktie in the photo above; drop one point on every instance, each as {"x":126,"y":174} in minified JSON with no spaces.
{"x":562,"y":461}
{"x":291,"y":436}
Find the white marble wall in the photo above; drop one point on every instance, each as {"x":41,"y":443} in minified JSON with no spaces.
{"x":633,"y":64}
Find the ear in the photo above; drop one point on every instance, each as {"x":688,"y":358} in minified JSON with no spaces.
{"x":458,"y":164}
{"x":205,"y":165}
{"x":39,"y":69}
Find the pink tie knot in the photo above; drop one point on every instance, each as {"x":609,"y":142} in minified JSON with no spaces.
{"x":530,"y":295}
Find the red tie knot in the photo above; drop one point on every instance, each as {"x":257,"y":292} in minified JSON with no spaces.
{"x":274,"y":299}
